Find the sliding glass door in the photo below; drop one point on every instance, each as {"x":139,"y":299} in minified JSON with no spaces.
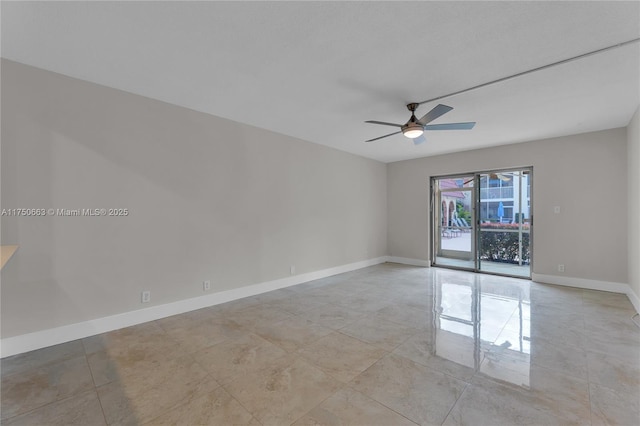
{"x":482,"y":222}
{"x":504,"y":243}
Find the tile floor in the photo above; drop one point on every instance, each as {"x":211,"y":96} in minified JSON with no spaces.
{"x":387,"y":345}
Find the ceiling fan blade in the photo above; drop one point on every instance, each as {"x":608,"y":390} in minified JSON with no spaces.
{"x":420,"y":139}
{"x":384,"y":123}
{"x":436,"y":112}
{"x":451,"y":126}
{"x":500,"y":176}
{"x":381,"y":137}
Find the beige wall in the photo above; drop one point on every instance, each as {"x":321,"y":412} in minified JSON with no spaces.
{"x":208,"y":199}
{"x":583,"y":174}
{"x":633,"y":169}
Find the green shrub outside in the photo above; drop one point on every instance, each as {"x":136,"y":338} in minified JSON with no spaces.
{"x":462,"y":212}
{"x":503,"y":246}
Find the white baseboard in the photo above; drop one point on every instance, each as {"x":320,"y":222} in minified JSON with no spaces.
{"x":610,"y":286}
{"x":41,"y":339}
{"x":409,"y":261}
{"x":635,"y":300}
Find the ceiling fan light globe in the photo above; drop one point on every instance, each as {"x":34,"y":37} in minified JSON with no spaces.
{"x":413,"y":132}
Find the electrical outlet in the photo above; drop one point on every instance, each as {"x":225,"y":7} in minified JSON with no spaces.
{"x":292,"y":270}
{"x":206,"y":285}
{"x":561,"y":268}
{"x":556,"y":209}
{"x":146,"y":296}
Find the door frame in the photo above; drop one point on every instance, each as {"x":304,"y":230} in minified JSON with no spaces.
{"x":475,"y":227}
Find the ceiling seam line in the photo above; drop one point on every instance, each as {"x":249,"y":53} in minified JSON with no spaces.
{"x":564,"y":61}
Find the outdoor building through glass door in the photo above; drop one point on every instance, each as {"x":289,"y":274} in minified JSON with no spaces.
{"x":482,"y":222}
{"x":454,"y":221}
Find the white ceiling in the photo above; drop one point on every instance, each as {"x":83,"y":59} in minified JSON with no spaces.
{"x":318,"y":70}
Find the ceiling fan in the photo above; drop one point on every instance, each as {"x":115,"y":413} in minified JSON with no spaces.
{"x":415,"y":128}
{"x":503,"y":176}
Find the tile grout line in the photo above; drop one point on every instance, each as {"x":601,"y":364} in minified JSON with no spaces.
{"x":348,"y":385}
{"x":323,"y":401}
{"x":93,"y":379}
{"x":45,"y":366}
{"x":467,"y":385}
{"x":584,"y":326}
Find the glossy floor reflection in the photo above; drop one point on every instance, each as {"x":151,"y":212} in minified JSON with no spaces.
{"x":388,"y":345}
